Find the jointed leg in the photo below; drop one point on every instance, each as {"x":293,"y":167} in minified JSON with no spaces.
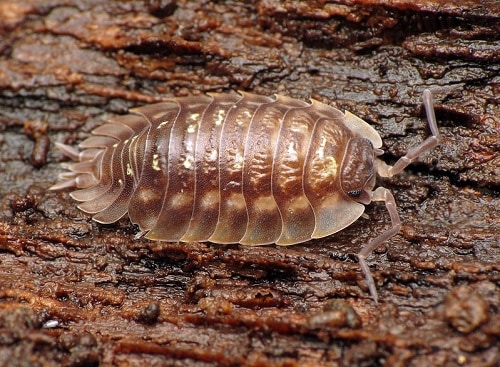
{"x":380,"y":194}
{"x":426,"y":145}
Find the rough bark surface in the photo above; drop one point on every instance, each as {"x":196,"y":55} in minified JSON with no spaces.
{"x":76,"y":293}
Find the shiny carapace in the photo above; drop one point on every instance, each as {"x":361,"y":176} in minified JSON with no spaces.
{"x":236,"y":168}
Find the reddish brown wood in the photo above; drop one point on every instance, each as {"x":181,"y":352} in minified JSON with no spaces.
{"x":73,"y":292}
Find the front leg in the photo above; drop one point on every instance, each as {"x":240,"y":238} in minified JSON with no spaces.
{"x":415,"y":152}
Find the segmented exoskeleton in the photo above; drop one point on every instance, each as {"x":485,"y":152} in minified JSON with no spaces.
{"x":236,"y":168}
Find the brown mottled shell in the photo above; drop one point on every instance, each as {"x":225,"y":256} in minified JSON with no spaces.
{"x":226,"y":168}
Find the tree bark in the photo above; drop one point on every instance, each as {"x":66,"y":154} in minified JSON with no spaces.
{"x":77,"y":293}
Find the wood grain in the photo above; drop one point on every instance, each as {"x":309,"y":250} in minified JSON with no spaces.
{"x":73,"y":292}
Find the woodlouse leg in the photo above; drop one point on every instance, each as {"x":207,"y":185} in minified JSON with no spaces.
{"x":380,"y":194}
{"x":426,"y":145}
{"x":383,"y":194}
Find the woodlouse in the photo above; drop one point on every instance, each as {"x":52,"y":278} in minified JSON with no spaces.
{"x":237,"y":168}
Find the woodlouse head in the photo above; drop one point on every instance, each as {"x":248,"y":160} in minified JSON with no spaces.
{"x":357,"y":174}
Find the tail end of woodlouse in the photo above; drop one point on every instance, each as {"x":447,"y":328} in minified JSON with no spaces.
{"x":68,"y":151}
{"x":82,"y":173}
{"x":63,"y":184}
{"x":66,"y":180}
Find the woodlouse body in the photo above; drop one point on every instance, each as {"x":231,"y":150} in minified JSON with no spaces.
{"x":235,"y":168}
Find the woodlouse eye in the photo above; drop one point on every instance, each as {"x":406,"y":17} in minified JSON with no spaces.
{"x":357,"y":167}
{"x":354,"y":193}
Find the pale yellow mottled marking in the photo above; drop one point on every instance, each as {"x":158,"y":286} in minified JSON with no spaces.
{"x":148,"y":196}
{"x":292,"y":152}
{"x":247,"y":114}
{"x":321,"y":150}
{"x":220,"y":117}
{"x":331,"y":167}
{"x":181,"y":200}
{"x":238,"y":161}
{"x":188,"y":161}
{"x":265,"y":203}
{"x":210,"y":200}
{"x":236,"y":202}
{"x":298,"y":204}
{"x":156,"y":164}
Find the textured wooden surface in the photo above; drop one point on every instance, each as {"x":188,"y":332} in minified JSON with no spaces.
{"x":76,"y":293}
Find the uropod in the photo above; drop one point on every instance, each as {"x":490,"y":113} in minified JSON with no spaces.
{"x":237,"y":168}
